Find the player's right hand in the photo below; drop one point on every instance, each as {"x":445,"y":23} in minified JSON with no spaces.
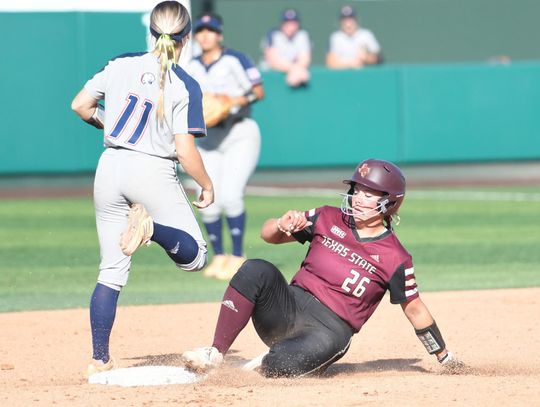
{"x":206,"y":198}
{"x":294,"y":221}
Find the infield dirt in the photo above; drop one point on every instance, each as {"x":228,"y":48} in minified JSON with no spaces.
{"x":43,"y":355}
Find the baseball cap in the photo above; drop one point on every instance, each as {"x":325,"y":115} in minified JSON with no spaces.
{"x":208,"y":21}
{"x":347,"y":12}
{"x":290,"y":15}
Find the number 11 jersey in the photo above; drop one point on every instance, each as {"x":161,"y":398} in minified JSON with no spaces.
{"x":129,"y":84}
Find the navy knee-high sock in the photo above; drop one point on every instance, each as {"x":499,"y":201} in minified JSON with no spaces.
{"x":214,"y":230}
{"x":237,"y":226}
{"x":181,"y":247}
{"x":102,"y":313}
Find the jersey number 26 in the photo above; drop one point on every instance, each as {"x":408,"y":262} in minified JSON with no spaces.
{"x":350,"y":282}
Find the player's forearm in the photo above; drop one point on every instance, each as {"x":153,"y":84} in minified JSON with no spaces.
{"x":190,"y":159}
{"x":417,"y":313}
{"x":271,"y":232}
{"x":281,"y":230}
{"x":87,"y":108}
{"x":84,"y":105}
{"x":425,"y":327}
{"x":194,"y":167}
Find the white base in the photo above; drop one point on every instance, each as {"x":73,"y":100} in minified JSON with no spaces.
{"x":145,"y":376}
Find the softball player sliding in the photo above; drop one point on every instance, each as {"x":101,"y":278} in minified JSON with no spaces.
{"x":231,"y":150}
{"x":354,"y":257}
{"x":153,"y":115}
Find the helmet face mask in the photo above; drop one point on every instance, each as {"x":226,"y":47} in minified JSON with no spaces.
{"x":348,"y":209}
{"x":377,"y":175}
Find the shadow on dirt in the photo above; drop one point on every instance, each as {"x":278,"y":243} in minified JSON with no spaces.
{"x":167,"y":359}
{"x":379,"y":365}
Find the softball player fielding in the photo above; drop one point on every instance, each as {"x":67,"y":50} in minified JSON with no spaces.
{"x":354,"y":257}
{"x":231,"y":150}
{"x":153,"y":115}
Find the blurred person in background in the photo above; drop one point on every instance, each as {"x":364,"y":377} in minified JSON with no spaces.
{"x":288,"y":50}
{"x":231,"y":150}
{"x":352,"y":46}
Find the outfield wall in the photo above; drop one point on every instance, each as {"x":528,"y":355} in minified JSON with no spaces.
{"x":406,"y":113}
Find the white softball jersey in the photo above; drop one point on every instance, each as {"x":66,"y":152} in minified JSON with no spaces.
{"x":139,"y":164}
{"x":233,"y":74}
{"x":132,"y":91}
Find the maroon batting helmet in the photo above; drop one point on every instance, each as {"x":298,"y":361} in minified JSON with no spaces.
{"x":382,"y":176}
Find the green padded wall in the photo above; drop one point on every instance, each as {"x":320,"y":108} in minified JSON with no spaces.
{"x":403,"y":113}
{"x":41,"y":76}
{"x":406,"y":113}
{"x":340,"y":116}
{"x":471,"y":112}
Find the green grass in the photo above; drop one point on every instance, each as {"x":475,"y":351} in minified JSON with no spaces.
{"x":49,"y":252}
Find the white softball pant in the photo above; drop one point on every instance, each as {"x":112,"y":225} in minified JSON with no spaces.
{"x":230,"y":156}
{"x":124,"y":177}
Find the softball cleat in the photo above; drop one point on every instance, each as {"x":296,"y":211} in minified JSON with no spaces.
{"x":232,"y":266}
{"x":97,"y":366}
{"x":219,"y":263}
{"x":139,"y":230}
{"x":202,"y":359}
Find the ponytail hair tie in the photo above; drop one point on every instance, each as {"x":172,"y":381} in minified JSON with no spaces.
{"x":177,"y":36}
{"x":165,"y":37}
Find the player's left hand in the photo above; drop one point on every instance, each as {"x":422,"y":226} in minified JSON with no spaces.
{"x":293,"y":221}
{"x":452,"y":365}
{"x":206,"y":198}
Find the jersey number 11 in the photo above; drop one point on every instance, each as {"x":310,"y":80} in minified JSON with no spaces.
{"x":126,"y":115}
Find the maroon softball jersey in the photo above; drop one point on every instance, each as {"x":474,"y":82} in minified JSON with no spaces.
{"x":349,"y":274}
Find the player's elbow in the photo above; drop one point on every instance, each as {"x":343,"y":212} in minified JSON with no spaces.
{"x":76,"y":106}
{"x":265,"y":236}
{"x":269,"y":236}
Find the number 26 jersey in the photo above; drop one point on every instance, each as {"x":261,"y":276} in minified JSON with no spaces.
{"x":349,"y":274}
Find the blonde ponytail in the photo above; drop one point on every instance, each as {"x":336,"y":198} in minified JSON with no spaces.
{"x":170,"y":25}
{"x":165,"y":48}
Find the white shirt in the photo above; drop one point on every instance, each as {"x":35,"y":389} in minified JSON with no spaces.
{"x":347,"y":47}
{"x":287,"y":48}
{"x":129,"y":85}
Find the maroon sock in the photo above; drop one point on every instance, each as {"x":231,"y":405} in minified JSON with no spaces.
{"x":234,"y":315}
